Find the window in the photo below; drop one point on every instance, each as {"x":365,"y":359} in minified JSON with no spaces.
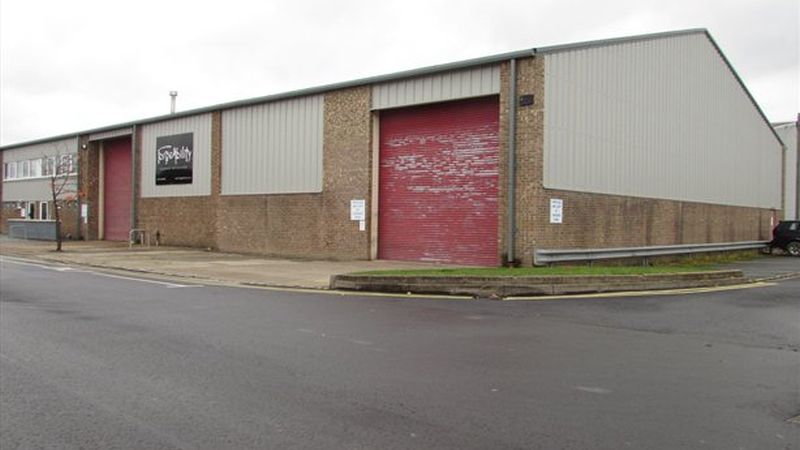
{"x":24,"y":169}
{"x":44,"y":211}
{"x":36,"y":168}
{"x":10,"y":171}
{"x":31,"y":210}
{"x":66,"y":165}
{"x":48,"y":166}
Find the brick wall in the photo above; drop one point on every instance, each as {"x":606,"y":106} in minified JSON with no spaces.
{"x":89,"y":158}
{"x":69,"y":219}
{"x":310,"y":225}
{"x":347,"y":168}
{"x":598,"y":220}
{"x":182,"y":221}
{"x":315,"y":225}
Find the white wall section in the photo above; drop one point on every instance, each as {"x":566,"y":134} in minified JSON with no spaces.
{"x":474,"y":82}
{"x":663,"y":118}
{"x":275,"y":148}
{"x":200,"y":127}
{"x":37,"y":189}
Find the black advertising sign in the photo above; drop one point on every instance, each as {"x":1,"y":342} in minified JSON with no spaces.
{"x":174,"y":156}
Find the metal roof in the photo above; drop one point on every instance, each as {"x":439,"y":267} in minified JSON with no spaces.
{"x":493,"y":59}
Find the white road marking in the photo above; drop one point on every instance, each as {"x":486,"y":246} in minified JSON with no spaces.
{"x":341,"y":339}
{"x":63,"y":269}
{"x":143,"y":280}
{"x":645,"y":293}
{"x":593,"y":389}
{"x":360,"y":342}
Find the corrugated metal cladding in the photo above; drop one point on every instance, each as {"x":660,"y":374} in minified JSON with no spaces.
{"x":37,"y":189}
{"x":475,"y":82}
{"x":439,"y":182}
{"x":110,"y":134}
{"x":788,"y":134}
{"x":200,"y":127}
{"x":664,"y":118}
{"x":275,"y":148}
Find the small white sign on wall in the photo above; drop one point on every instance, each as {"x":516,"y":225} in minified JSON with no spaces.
{"x":85,"y":213}
{"x":358,"y":210}
{"x":556,"y":210}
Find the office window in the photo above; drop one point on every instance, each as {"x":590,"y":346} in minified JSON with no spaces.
{"x":10,"y":171}
{"x":36,"y":168}
{"x":44,"y":211}
{"x":48,"y":166}
{"x":67,"y":165}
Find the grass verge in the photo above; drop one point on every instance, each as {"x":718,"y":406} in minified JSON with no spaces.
{"x":681,"y":264}
{"x":534,"y":271}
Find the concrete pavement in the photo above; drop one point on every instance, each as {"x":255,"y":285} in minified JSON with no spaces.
{"x":229,"y":268}
{"x":195,"y":263}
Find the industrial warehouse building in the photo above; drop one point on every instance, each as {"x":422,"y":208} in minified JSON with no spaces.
{"x":787,"y":131}
{"x":636,"y":141}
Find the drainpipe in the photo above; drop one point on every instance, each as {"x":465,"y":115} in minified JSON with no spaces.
{"x":134,"y":178}
{"x":512,"y":157}
{"x":79,"y":187}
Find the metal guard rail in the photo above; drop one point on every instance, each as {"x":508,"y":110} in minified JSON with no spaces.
{"x":542,"y":257}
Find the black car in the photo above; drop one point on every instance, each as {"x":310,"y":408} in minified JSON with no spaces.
{"x":786,"y":236}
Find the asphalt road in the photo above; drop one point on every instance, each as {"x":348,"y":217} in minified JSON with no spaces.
{"x":92,"y":361}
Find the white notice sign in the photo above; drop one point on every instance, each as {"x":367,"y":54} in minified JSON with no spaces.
{"x":556,"y":210}
{"x":358,"y":210}
{"x":85,"y":213}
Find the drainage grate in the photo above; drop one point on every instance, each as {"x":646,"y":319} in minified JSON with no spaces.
{"x":795,"y":419}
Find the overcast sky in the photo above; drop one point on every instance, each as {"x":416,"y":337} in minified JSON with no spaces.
{"x":67,"y":66}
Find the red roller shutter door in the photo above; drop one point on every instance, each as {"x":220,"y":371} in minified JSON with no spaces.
{"x":439,"y":183}
{"x":117,"y":189}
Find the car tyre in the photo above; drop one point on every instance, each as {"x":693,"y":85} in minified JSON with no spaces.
{"x":793,"y":248}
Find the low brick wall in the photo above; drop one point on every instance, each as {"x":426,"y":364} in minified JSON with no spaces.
{"x":533,"y":285}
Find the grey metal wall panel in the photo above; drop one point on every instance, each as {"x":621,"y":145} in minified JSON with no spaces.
{"x":473,"y":82}
{"x":664,"y":118}
{"x":788,"y":134}
{"x":200,"y":127}
{"x":274,"y":148}
{"x":32,"y":229}
{"x":111,"y":134}
{"x":38,"y":189}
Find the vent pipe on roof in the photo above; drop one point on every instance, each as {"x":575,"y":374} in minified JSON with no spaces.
{"x":173,"y":95}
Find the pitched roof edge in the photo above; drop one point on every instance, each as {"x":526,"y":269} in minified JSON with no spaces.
{"x":428,"y":70}
{"x":619,"y":40}
{"x":744,"y":87}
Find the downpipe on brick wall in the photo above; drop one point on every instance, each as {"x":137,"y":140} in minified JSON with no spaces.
{"x":134,"y":178}
{"x":512,"y":162}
